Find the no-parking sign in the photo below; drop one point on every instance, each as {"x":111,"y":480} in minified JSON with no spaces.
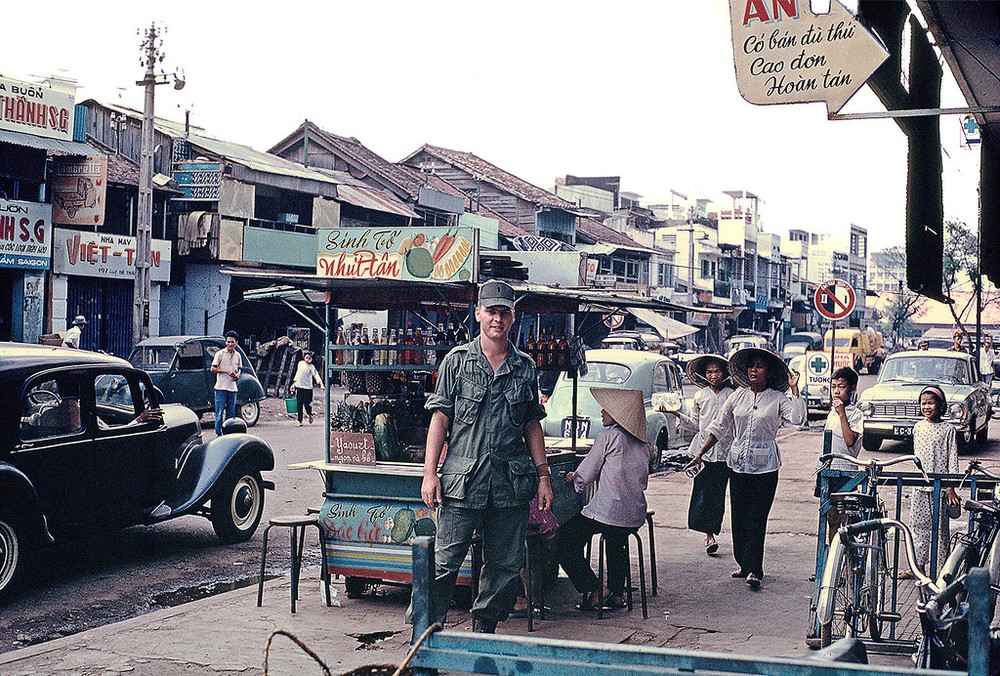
{"x":834,"y":299}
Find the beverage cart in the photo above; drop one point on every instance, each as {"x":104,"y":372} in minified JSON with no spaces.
{"x":373,"y":452}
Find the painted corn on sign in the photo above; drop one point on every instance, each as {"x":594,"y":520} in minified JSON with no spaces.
{"x":433,"y":254}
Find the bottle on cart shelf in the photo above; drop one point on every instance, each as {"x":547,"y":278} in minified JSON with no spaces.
{"x":393,"y":354}
{"x":552,"y":357}
{"x":441,"y":338}
{"x":450,"y":335}
{"x":418,"y":341}
{"x":408,"y":343}
{"x":563,"y":360}
{"x":338,"y":355}
{"x":349,"y":353}
{"x":531,"y":346}
{"x":541,"y":346}
{"x":364,"y":356}
{"x":462,"y":335}
{"x":430,"y":356}
{"x":383,"y":355}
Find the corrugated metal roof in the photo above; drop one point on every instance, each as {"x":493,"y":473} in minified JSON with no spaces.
{"x":374,"y":200}
{"x":43,"y":143}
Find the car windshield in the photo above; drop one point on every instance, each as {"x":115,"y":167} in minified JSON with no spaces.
{"x":153,"y":358}
{"x":606,"y":372}
{"x":929,"y":369}
{"x":799,"y":339}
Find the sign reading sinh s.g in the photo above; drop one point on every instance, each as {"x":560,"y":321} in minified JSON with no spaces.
{"x":432,"y":254}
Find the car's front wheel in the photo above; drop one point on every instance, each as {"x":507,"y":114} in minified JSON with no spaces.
{"x":237,"y":504}
{"x":983,"y":435}
{"x":250,"y":412}
{"x":662,"y":441}
{"x":12,"y":555}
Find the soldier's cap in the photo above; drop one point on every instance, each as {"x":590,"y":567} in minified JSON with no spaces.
{"x":494,"y":292}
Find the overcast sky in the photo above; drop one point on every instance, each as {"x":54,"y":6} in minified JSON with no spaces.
{"x":644,"y":90}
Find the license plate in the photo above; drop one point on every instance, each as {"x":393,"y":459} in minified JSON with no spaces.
{"x":582,"y":427}
{"x":902,"y":430}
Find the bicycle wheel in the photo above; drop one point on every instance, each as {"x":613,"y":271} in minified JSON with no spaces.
{"x":843,"y":620}
{"x":874,"y":598}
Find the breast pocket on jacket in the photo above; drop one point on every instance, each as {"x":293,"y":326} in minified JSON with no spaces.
{"x":469,"y":401}
{"x":519,"y":401}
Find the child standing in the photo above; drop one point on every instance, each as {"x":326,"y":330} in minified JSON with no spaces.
{"x":846,"y":423}
{"x":934,"y":442}
{"x":619,"y":462}
{"x":302,"y":385}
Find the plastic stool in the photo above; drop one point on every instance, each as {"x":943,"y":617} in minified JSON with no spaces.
{"x":601,"y":556}
{"x":652,"y":550}
{"x":296,"y":526}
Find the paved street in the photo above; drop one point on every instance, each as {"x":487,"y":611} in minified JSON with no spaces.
{"x":699,"y":606}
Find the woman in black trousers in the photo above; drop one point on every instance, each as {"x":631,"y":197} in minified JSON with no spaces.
{"x":752,"y":415}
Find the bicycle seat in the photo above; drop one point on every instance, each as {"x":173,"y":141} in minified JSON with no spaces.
{"x":981,"y":508}
{"x":851,"y":500}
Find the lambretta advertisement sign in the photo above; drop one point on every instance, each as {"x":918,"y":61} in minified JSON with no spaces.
{"x":34,"y":109}
{"x":25,"y":235}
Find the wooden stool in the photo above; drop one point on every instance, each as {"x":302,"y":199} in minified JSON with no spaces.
{"x":601,"y":555}
{"x":296,"y":526}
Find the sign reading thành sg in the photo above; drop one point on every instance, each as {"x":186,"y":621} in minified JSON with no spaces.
{"x":432,"y":254}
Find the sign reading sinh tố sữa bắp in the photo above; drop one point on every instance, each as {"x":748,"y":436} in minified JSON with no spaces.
{"x":433,"y":254}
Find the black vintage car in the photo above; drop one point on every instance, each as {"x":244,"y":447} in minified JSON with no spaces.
{"x":83,"y":448}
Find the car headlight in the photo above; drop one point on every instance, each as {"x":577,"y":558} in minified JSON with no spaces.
{"x":866,"y":407}
{"x":958,"y":411}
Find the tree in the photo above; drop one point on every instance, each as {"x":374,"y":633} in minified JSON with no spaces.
{"x":905,"y":303}
{"x":960,"y":271}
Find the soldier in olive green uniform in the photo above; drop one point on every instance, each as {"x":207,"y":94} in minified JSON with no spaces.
{"x":486,"y":407}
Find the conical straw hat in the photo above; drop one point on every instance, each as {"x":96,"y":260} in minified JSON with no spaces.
{"x":777,"y":370}
{"x":626,"y":408}
{"x":697,"y":367}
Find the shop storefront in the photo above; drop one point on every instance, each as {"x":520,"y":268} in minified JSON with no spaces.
{"x":25,"y":255}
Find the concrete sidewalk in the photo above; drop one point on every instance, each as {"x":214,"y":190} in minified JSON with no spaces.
{"x":699,"y":606}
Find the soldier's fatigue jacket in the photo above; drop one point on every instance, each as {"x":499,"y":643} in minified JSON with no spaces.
{"x":488,"y":462}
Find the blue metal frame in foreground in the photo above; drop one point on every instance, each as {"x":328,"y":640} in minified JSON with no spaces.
{"x":463,"y":652}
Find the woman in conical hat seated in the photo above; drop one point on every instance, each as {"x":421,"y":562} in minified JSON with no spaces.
{"x":619,"y":463}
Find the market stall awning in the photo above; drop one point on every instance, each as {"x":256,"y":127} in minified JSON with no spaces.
{"x":374,"y":200}
{"x":668,"y":327}
{"x":356,"y":294}
{"x":542,"y":298}
{"x":43,"y":143}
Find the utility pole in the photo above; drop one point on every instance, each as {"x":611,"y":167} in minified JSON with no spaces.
{"x":151,"y":55}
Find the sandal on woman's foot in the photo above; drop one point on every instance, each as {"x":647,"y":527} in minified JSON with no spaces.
{"x":711,"y":548}
{"x":589,"y":603}
{"x":614,"y":602}
{"x":739,"y":573}
{"x":753,"y":581}
{"x":906,"y":575}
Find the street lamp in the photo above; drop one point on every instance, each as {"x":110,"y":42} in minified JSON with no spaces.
{"x":151,"y":55}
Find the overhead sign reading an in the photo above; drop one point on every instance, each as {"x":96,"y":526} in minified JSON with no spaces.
{"x":786,"y":54}
{"x":835,"y":299}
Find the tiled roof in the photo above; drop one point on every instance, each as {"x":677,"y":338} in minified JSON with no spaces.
{"x":507,"y":229}
{"x":352,"y":149}
{"x":590,"y":231}
{"x":497,"y":177}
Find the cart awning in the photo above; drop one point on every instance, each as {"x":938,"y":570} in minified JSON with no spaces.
{"x":668,"y":327}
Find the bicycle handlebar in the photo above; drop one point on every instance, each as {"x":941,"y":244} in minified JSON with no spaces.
{"x":878,"y":463}
{"x":976,"y":466}
{"x":944,"y":597}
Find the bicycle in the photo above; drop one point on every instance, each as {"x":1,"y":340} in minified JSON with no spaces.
{"x":944,"y":615}
{"x":855,"y":590}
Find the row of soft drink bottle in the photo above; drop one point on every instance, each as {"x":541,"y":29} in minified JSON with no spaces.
{"x":411,"y":346}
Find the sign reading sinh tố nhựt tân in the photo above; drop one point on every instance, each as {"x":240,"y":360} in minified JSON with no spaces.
{"x":433,"y":254}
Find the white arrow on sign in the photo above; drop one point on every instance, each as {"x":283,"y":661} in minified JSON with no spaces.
{"x":786,"y":54}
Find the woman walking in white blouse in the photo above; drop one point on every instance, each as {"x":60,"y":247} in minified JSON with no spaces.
{"x":708,"y":493}
{"x":752,"y":416}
